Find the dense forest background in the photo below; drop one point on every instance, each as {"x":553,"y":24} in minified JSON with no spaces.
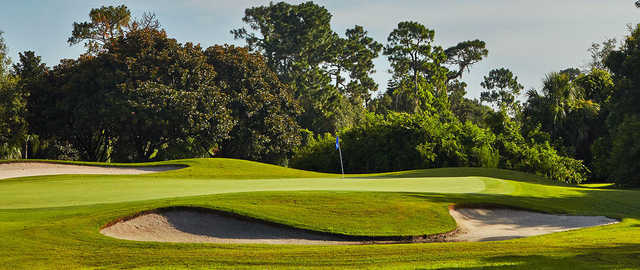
{"x":138,"y":95}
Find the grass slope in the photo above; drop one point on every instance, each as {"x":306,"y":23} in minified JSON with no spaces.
{"x":207,"y":176}
{"x":213,"y":168}
{"x":67,"y":237}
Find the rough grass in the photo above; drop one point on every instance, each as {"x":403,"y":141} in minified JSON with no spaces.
{"x":67,"y":236}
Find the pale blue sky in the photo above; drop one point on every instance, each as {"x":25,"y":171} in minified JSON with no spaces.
{"x":531,"y":38}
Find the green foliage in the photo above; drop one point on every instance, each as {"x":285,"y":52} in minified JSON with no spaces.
{"x":163,"y":118}
{"x":165,"y":98}
{"x":623,"y":112}
{"x":418,"y":74}
{"x":584,"y":113}
{"x":597,"y":86}
{"x":572,"y":108}
{"x":503,"y":90}
{"x":463,"y":108}
{"x":599,"y":53}
{"x":262,"y":107}
{"x":147,"y":97}
{"x":400,"y":141}
{"x":140,"y":95}
{"x":107,"y":24}
{"x":625,"y":153}
{"x":77,"y":104}
{"x":318,"y":154}
{"x":354,"y":55}
{"x":463,"y":55}
{"x":13,"y":126}
{"x":5,"y":61}
{"x":306,"y":54}
{"x":478,"y":142}
{"x":535,"y":154}
{"x":424,"y":74}
{"x":623,"y":64}
{"x":290,"y":36}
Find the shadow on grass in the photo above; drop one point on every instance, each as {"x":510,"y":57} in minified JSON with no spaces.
{"x":611,"y":203}
{"x":623,"y":256}
{"x":467,"y":172}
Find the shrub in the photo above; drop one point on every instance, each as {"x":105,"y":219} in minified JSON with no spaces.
{"x":400,"y":141}
{"x":625,"y":153}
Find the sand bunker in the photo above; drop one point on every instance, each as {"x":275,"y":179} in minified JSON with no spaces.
{"x":21,"y":169}
{"x":474,"y":224}
{"x":202,"y":227}
{"x":479,"y":224}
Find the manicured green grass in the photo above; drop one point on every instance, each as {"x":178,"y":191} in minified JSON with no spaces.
{"x":218,"y":168}
{"x":206,"y":176}
{"x":46,"y":222}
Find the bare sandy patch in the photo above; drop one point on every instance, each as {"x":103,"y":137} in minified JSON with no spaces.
{"x":474,"y":224}
{"x":22,"y":169}
{"x":481,"y":224}
{"x":200,"y":227}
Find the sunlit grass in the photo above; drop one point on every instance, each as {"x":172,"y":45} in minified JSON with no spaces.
{"x":60,"y":229}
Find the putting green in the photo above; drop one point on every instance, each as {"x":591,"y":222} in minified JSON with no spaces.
{"x":73,"y":190}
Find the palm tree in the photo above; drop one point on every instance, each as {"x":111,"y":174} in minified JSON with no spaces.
{"x":559,"y":95}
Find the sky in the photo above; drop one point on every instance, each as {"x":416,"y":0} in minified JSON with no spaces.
{"x":532,"y":38}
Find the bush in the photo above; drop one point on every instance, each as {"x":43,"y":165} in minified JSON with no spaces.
{"x":535,"y":155}
{"x":400,"y":141}
{"x":625,"y":153}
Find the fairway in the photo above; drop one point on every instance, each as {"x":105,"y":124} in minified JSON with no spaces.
{"x":57,"y":219}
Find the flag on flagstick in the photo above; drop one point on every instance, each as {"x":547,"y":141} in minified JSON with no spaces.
{"x":339,"y":151}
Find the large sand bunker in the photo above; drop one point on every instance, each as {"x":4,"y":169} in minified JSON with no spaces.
{"x":196,"y":226}
{"x":482,"y":224}
{"x":202,"y":227}
{"x":21,"y":169}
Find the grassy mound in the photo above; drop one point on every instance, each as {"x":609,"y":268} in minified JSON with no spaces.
{"x":348,"y":213}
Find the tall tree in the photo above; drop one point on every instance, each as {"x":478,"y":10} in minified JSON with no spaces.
{"x":31,"y":72}
{"x":262,"y":107}
{"x":572,"y":109}
{"x":354,"y":56}
{"x":107,"y":23}
{"x":463,"y":55}
{"x":418,"y":74}
{"x":463,"y":108}
{"x":291,"y":37}
{"x":503,"y":90}
{"x":599,"y":53}
{"x":13,"y":126}
{"x":5,"y":61}
{"x":307,"y":55}
{"x":624,"y":116}
{"x":164,"y":98}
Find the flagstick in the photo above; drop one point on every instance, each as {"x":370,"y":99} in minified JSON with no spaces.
{"x":341,"y":166}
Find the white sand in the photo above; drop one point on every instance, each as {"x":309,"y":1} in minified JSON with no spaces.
{"x":21,"y":169}
{"x":197,"y":227}
{"x":478,"y":224}
{"x":474,"y":224}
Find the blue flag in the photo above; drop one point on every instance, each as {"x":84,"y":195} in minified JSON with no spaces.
{"x":337,"y":142}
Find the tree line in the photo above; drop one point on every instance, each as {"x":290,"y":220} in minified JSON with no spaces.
{"x":139,"y":95}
